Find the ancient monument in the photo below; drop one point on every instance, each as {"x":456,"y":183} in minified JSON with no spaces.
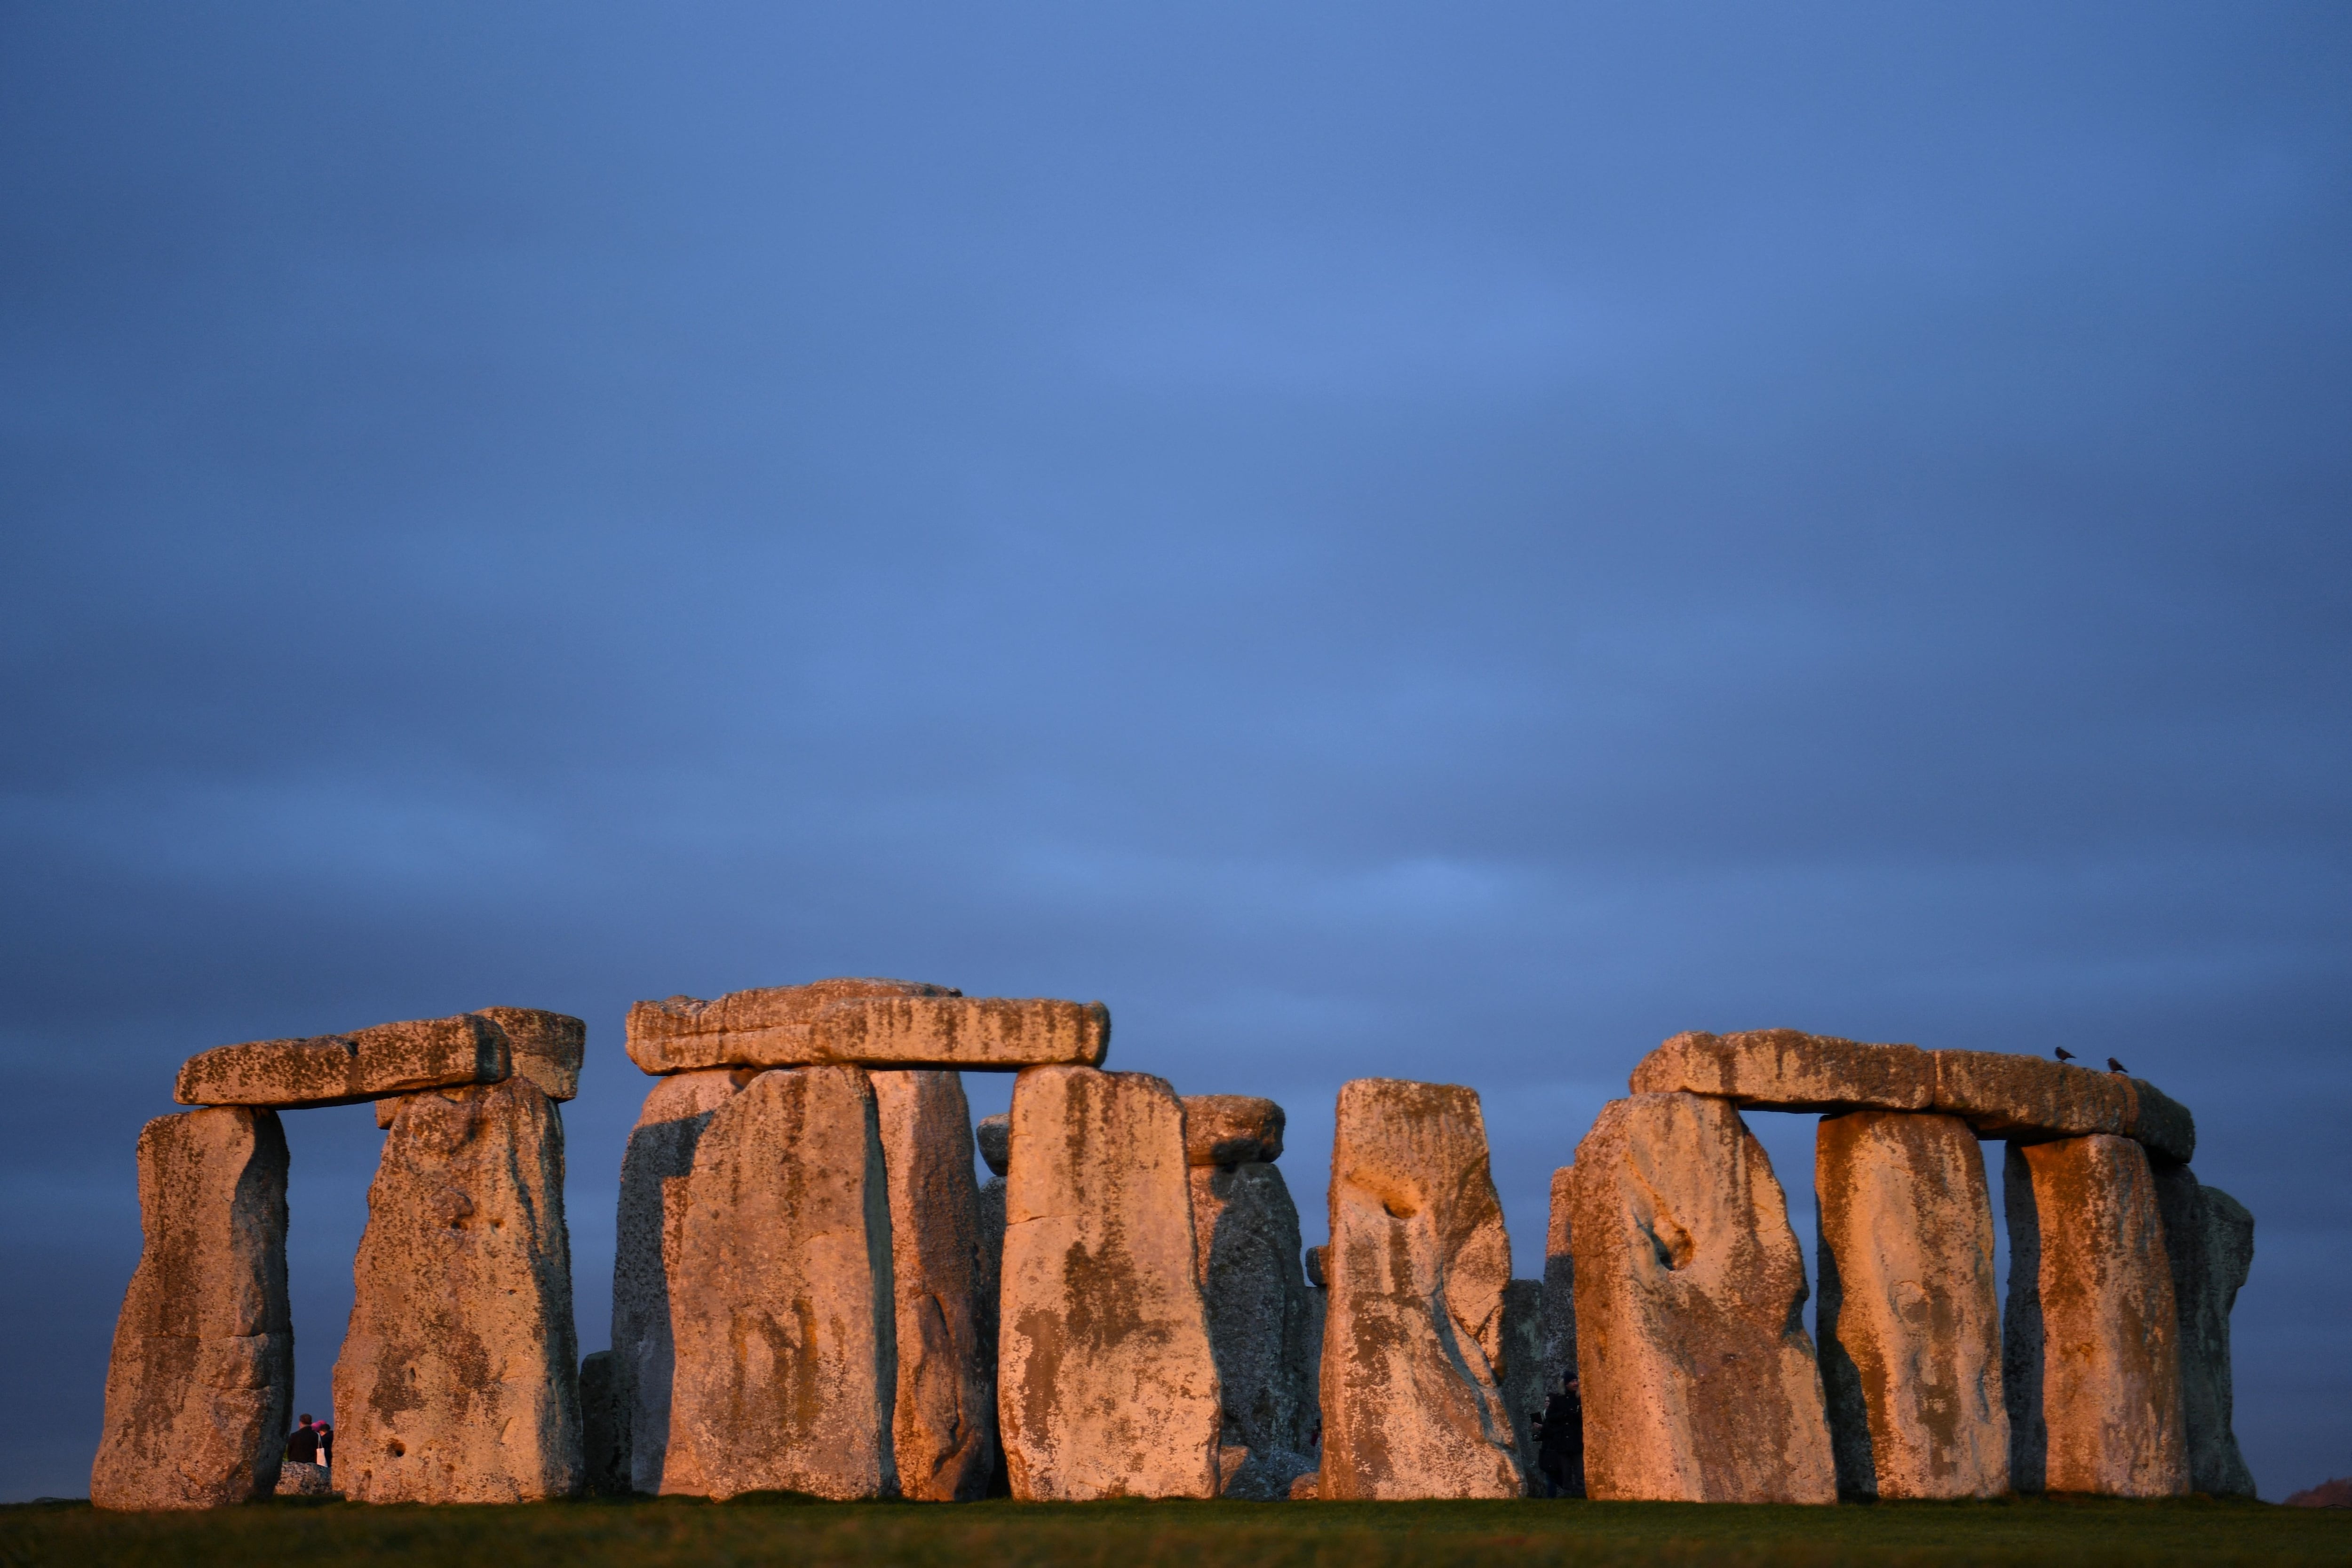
{"x":814,"y":1292}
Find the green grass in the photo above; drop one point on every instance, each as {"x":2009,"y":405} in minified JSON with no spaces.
{"x":2075,"y":1532}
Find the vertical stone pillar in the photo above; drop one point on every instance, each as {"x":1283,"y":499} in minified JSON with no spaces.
{"x":603,"y":1446}
{"x":2091,"y":1359}
{"x":781,"y":1296}
{"x":1521,"y":1375}
{"x":1246,"y":1231}
{"x":458,"y":1380}
{"x":1699,"y":1381}
{"x":654,"y":1168}
{"x":943,"y":1429}
{"x":199,"y":1390}
{"x":1560,"y":1285}
{"x":1910,"y":1331}
{"x":994,"y":1137}
{"x":2208,"y":1237}
{"x":1107,"y":1386}
{"x":1419,"y":1258}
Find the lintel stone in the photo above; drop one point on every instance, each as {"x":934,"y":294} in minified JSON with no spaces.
{"x":345,"y":1069}
{"x":865,"y":1023}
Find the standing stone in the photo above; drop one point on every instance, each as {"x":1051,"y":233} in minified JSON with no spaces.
{"x":2091,"y":1360}
{"x":1560,"y":1285}
{"x":1910,"y":1331}
{"x":202,"y":1379}
{"x":604,"y":1432}
{"x":943,"y":1429}
{"x":1699,"y":1379}
{"x":458,"y":1380}
{"x":654,"y":1169}
{"x":781,"y":1296}
{"x":1413,"y":1406}
{"x":546,"y":1048}
{"x":1522,"y":1372}
{"x":994,"y":1137}
{"x":2208,"y":1237}
{"x":1246,"y":1234}
{"x":1106,"y":1384}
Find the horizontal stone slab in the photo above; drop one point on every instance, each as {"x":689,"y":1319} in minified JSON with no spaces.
{"x":867,"y":1023}
{"x":1231,"y":1130}
{"x":547,"y":1048}
{"x":345,"y":1069}
{"x":774,"y":1026}
{"x":1788,"y":1069}
{"x":2008,"y":1096}
{"x":1998,"y":1093}
{"x":2162,"y":1122}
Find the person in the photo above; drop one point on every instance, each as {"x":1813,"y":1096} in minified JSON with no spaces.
{"x":1560,"y":1439}
{"x":326,"y":1445}
{"x":303,"y":1446}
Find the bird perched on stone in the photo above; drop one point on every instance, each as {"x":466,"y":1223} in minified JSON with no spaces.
{"x":2114,"y":1066}
{"x":2064,"y":1055}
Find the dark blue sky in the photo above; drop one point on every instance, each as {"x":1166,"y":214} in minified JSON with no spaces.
{"x":1433,"y":542}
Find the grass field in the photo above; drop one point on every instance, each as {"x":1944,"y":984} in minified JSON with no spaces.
{"x":649,"y":1534}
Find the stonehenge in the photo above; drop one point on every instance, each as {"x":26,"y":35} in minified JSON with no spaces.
{"x":1260,"y":1314}
{"x":2090,"y":1336}
{"x":1910,"y":1334}
{"x":1413,"y":1339}
{"x":654,"y":1167}
{"x":2208,"y":1237}
{"x":200,"y":1389}
{"x":944,"y":1424}
{"x":813,"y":1292}
{"x":782,"y":1305}
{"x":1106,"y":1383}
{"x":458,"y":1380}
{"x":1699,"y":1381}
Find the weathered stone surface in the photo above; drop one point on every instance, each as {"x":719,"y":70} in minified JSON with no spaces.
{"x":297,"y":1478}
{"x":2090,"y":1353}
{"x":781,"y":1296}
{"x":1260,"y":1315}
{"x":2336,"y":1493}
{"x":344,"y":1069}
{"x":546,"y":1048}
{"x":1698,"y":1380}
{"x":2209,"y":1239}
{"x":2001,"y":1095}
{"x":1307,"y":1488}
{"x":1559,"y":1284}
{"x":654,"y":1169}
{"x":1002,"y":1034}
{"x":988,"y":1282}
{"x":943,"y":1428}
{"x":2161,"y":1124}
{"x":1412,"y":1403}
{"x":604,"y":1426}
{"x":773,"y":1026}
{"x":1910,"y":1332}
{"x":994,"y":1136}
{"x":1106,"y":1384}
{"x":1789,"y":1071}
{"x":458,"y":1380}
{"x":1522,"y":1372}
{"x":868,"y":1023}
{"x":1231,"y":1130}
{"x":202,"y":1379}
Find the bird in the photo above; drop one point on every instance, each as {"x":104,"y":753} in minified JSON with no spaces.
{"x":2064,"y":1054}
{"x":2114,"y":1066}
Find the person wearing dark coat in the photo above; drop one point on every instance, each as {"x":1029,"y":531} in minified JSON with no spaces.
{"x":303,"y":1446}
{"x":1560,"y":1440}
